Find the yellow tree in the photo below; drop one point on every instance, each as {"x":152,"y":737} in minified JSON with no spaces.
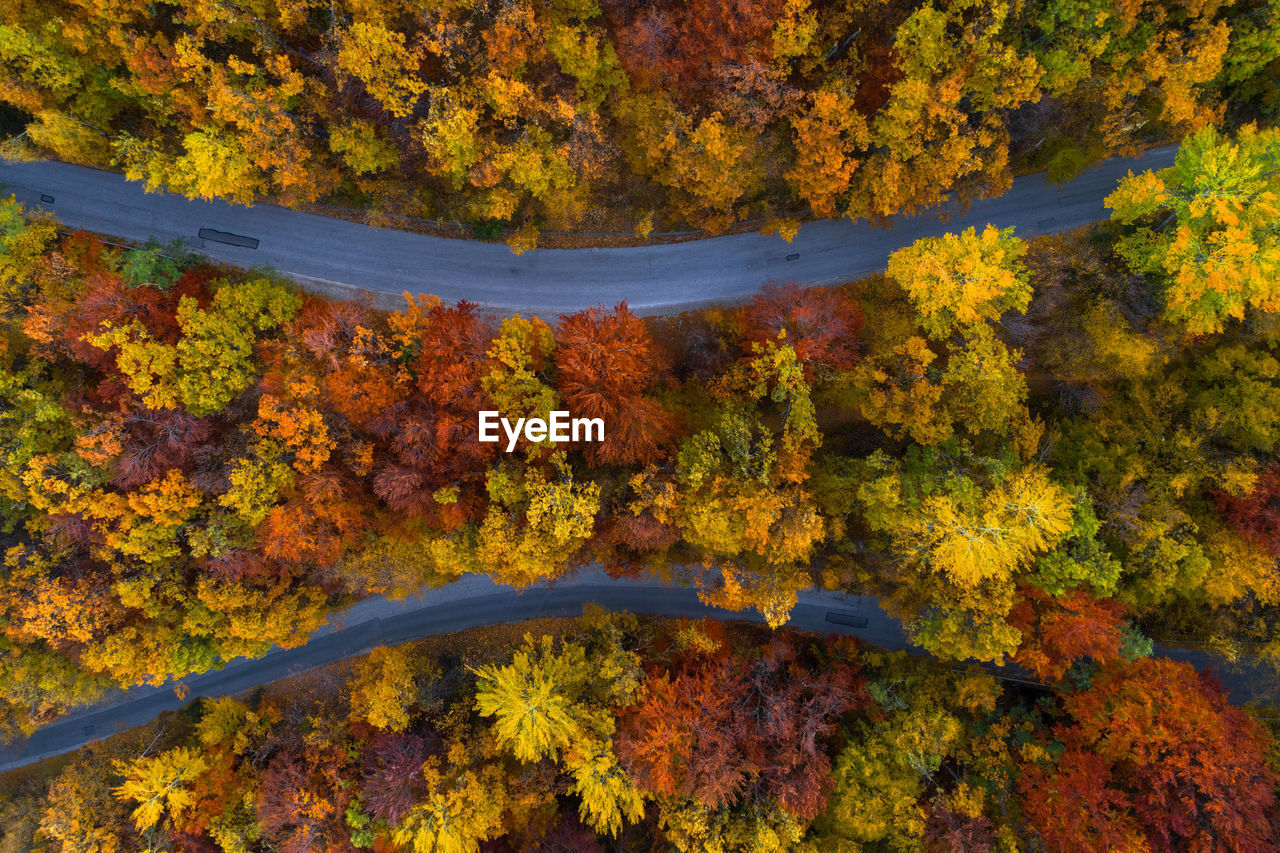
{"x":535,"y":525}
{"x":943,"y":122}
{"x":884,"y":775}
{"x":962,"y":528}
{"x":212,"y":363}
{"x":692,"y":827}
{"x":378,"y":58}
{"x":213,"y":164}
{"x":829,"y":139}
{"x":385,"y":687}
{"x":534,"y":699}
{"x":711,"y":164}
{"x":899,"y":392}
{"x":255,"y":483}
{"x":961,"y":280}
{"x":161,"y":784}
{"x":607,"y":796}
{"x":1115,"y":66}
{"x":145,"y":524}
{"x":23,"y":240}
{"x":739,"y":495}
{"x":518,"y":358}
{"x":1206,"y":227}
{"x":463,"y":807}
{"x":82,"y":816}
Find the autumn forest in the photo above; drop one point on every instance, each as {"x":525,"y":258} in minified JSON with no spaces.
{"x":523,"y":116}
{"x":1054,"y":459}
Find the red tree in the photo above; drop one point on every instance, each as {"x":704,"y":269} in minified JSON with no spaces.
{"x":1155,"y":758}
{"x":822,"y":324}
{"x":452,"y":351}
{"x":604,"y":361}
{"x":303,"y":799}
{"x":731,"y":729}
{"x":393,"y":780}
{"x":159,"y":441}
{"x":689,"y":47}
{"x":948,"y":832}
{"x":1256,"y":516}
{"x":1058,"y":631}
{"x":318,"y":522}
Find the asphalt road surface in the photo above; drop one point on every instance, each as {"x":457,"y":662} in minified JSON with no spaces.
{"x":471,"y":602}
{"x":332,"y":254}
{"x":475,"y":601}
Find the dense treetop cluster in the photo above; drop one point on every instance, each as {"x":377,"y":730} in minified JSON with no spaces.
{"x":1049,"y":453}
{"x":540,"y":113}
{"x":619,"y":734}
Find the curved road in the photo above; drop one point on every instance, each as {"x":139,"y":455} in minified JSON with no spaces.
{"x":475,"y":601}
{"x":333,"y":255}
{"x":471,"y":602}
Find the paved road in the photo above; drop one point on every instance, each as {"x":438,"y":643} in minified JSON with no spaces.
{"x":332,"y":254}
{"x":471,"y":602}
{"x":475,"y":601}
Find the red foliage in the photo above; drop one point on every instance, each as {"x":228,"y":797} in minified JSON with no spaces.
{"x":209,"y":790}
{"x":729,"y":729}
{"x":822,"y":324}
{"x":393,"y":780}
{"x":365,"y":394}
{"x":1155,"y":758}
{"x":948,"y":832}
{"x":87,"y":253}
{"x":326,"y":329}
{"x":433,"y":435}
{"x":452,"y":355}
{"x":429,"y":451}
{"x":403,"y":489}
{"x":106,"y":300}
{"x":690,"y":47}
{"x":160,"y":441}
{"x":695,"y":347}
{"x":1256,"y":516}
{"x":195,"y":283}
{"x":568,"y":836}
{"x":243,"y":564}
{"x":1058,"y":631}
{"x":1075,"y":810}
{"x":641,"y":533}
{"x":876,"y":83}
{"x":303,"y":799}
{"x":357,"y":369}
{"x":605,"y":361}
{"x":316,"y":525}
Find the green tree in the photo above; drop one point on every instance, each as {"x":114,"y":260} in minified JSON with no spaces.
{"x":1205,"y":227}
{"x":961,"y":527}
{"x":23,"y":241}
